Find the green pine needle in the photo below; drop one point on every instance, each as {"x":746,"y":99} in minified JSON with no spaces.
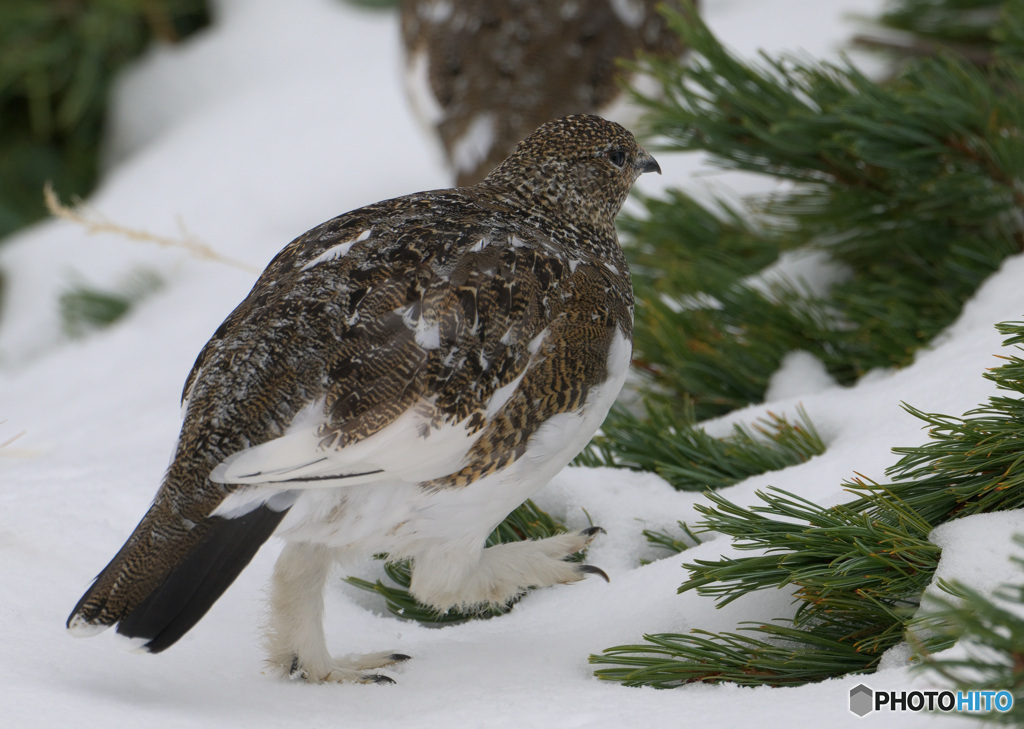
{"x":85,"y":308}
{"x":668,"y":443}
{"x":959,"y":26}
{"x":782,"y":656}
{"x":673,"y":543}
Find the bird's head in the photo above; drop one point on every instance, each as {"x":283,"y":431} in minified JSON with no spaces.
{"x":580,"y":166}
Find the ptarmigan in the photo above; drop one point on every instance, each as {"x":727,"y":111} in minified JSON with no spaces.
{"x":482,"y":74}
{"x":398,"y":380}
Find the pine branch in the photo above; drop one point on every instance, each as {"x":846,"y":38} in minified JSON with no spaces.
{"x":722,"y":355}
{"x":858,"y":568}
{"x":784,"y":657}
{"x":672,"y":543}
{"x":963,"y":27}
{"x":909,"y":186}
{"x":669,"y":443}
{"x":722,"y":245}
{"x":916,"y":47}
{"x":1008,"y":33}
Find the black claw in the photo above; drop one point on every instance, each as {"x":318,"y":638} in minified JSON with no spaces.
{"x":378,"y":678}
{"x":591,"y":569}
{"x":295,"y":671}
{"x":593,"y":531}
{"x":399,"y":658}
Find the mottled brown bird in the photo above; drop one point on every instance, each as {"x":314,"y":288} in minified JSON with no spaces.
{"x":482,"y":74}
{"x":398,"y":380}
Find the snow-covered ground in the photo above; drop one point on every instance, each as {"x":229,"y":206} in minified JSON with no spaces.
{"x":278,"y":117}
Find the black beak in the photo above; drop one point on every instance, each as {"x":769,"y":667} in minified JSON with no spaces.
{"x":647,"y":163}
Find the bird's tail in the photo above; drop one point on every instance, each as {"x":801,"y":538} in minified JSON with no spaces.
{"x":169,"y":573}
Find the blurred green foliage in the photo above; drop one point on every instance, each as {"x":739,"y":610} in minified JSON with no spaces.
{"x":908,"y":187}
{"x":950,"y":21}
{"x":58,"y":59}
{"x":85,"y":308}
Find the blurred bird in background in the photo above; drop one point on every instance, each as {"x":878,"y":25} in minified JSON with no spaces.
{"x":482,"y":74}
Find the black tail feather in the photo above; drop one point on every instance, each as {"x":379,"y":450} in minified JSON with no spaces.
{"x":199,"y":579}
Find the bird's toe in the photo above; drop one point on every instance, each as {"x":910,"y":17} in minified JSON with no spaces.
{"x":377,"y":678}
{"x":589,"y":569}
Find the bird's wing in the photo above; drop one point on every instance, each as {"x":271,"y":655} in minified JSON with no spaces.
{"x":409,"y":448}
{"x":417,"y":364}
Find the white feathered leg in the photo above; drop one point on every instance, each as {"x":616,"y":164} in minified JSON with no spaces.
{"x":466,"y":578}
{"x":296,"y":644}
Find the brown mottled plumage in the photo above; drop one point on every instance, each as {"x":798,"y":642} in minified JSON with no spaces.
{"x":485,"y":73}
{"x":398,"y":380}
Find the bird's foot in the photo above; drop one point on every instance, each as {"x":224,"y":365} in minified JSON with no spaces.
{"x":564,"y":546}
{"x":355,"y":669}
{"x":502,"y":572}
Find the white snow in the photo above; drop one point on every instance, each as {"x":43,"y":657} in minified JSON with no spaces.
{"x":973,"y":556}
{"x":277,"y":118}
{"x":810,"y":272}
{"x":801,"y":374}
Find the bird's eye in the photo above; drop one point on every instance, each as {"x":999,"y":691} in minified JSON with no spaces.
{"x":617,"y":157}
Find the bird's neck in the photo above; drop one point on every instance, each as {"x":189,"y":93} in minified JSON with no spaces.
{"x":571,"y":223}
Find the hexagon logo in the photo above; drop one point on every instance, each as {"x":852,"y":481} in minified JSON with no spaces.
{"x":861,"y":700}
